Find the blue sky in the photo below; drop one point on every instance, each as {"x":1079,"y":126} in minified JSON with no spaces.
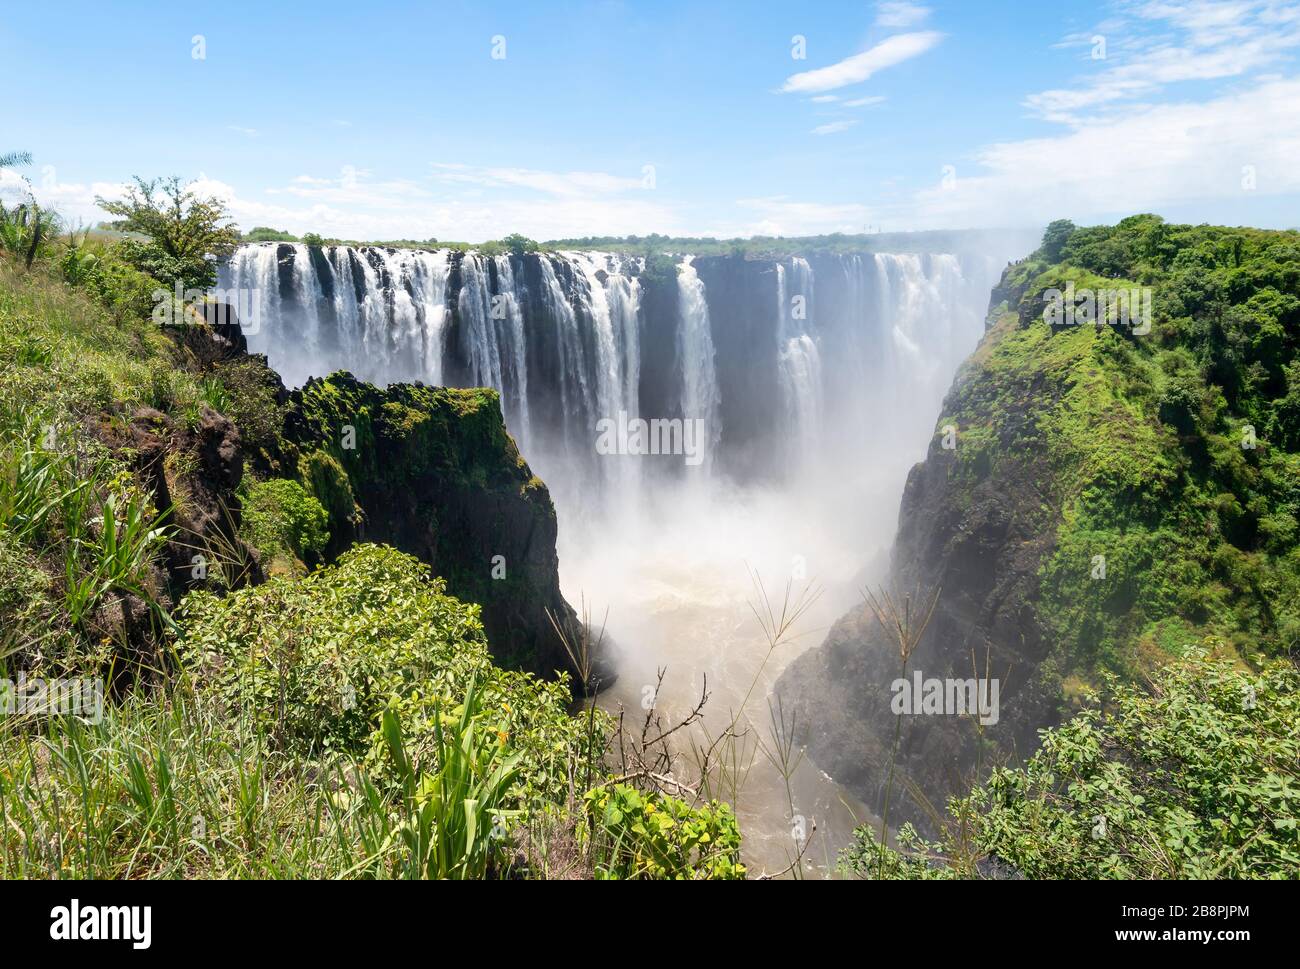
{"x":384,"y":120}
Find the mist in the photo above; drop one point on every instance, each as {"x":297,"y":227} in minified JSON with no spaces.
{"x":815,"y":383}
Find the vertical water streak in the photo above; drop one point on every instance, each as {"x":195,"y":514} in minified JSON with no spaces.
{"x":700,"y":396}
{"x":509,"y":317}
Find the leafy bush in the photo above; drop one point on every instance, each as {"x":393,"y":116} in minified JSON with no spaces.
{"x":642,"y":835}
{"x":1200,"y":778}
{"x":314,"y":662}
{"x":281,"y":519}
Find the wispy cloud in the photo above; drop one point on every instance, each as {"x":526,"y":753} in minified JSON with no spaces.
{"x":246,"y":132}
{"x":455,"y":202}
{"x":833,"y":127}
{"x":900,"y":13}
{"x":569,"y":184}
{"x":1157,"y":43}
{"x":865,"y":102}
{"x":853,"y":70}
{"x":1148,"y":158}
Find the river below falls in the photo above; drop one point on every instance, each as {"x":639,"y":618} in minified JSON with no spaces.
{"x":681,"y":589}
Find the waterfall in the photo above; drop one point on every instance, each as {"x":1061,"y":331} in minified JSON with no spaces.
{"x":799,"y":359}
{"x":857,"y":355}
{"x":479,"y":309}
{"x":577,"y":398}
{"x":700,"y":396}
{"x":511,"y":313}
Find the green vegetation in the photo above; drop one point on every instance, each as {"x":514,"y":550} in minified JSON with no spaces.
{"x":1199,"y":777}
{"x":460,"y":808}
{"x":779,"y":247}
{"x":342,"y":721}
{"x":656,"y":836}
{"x":284,"y":523}
{"x":315,"y":661}
{"x":182,"y":231}
{"x":1166,"y":463}
{"x":261,"y":233}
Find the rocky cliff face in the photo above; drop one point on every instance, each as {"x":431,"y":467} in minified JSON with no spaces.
{"x":432,"y":471}
{"x":978,"y":540}
{"x":1105,"y":488}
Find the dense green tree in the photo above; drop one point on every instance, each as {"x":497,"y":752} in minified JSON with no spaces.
{"x":263,"y":233}
{"x":184,"y":230}
{"x":519,"y":244}
{"x":1055,"y":238}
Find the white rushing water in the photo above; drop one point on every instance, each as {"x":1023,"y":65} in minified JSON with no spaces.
{"x":700,"y":396}
{"x":810,"y":438}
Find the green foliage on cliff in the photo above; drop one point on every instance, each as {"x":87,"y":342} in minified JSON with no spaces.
{"x":1198,"y":777}
{"x":284,"y":523}
{"x":458,"y":432}
{"x":1165,"y":463}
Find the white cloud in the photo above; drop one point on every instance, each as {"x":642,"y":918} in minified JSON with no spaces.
{"x":1217,"y":39}
{"x":74,"y":201}
{"x":900,"y":13}
{"x":543,"y":205}
{"x":853,"y":70}
{"x":824,"y":98}
{"x":865,"y":102}
{"x":1152,"y":157}
{"x":779,"y":215}
{"x":247,"y":132}
{"x":834,"y":127}
{"x":569,"y":184}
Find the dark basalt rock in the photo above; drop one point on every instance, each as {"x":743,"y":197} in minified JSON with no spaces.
{"x":978,"y":537}
{"x":433,"y":473}
{"x":224,"y":323}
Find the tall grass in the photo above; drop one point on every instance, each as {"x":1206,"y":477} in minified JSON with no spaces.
{"x":167,"y":786}
{"x":72,"y":505}
{"x":455,"y":813}
{"x":161,"y":787}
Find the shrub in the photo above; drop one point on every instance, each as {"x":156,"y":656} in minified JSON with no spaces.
{"x":262,"y":233}
{"x":183,"y":230}
{"x":642,"y":835}
{"x":1200,"y":778}
{"x":314,"y":661}
{"x":280,"y":518}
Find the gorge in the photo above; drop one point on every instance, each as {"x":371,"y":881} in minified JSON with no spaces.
{"x":814,"y":382}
